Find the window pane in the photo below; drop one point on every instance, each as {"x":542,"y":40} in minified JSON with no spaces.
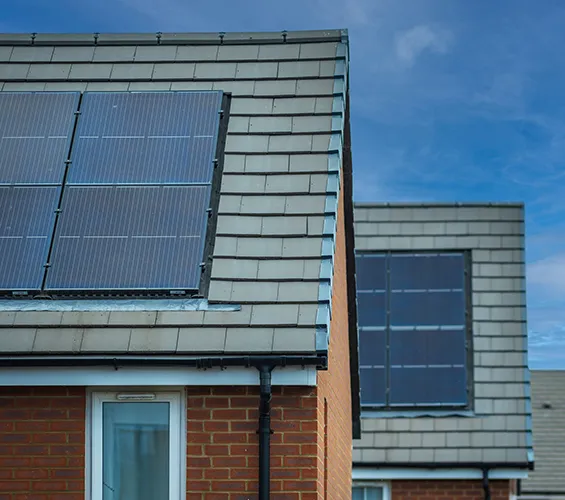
{"x":358,"y":494}
{"x":425,"y":347}
{"x":417,"y":272}
{"x":135,"y":459}
{"x":367,"y":494}
{"x":371,"y":309}
{"x":373,"y":386}
{"x":427,"y":386}
{"x":427,"y":308}
{"x":370,"y":272}
{"x":372,"y":347}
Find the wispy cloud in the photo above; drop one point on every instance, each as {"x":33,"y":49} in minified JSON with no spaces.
{"x":412,"y":43}
{"x":549,"y":272}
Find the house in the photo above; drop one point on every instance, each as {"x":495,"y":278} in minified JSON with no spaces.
{"x":443,"y":352}
{"x":177,"y":267}
{"x":547,"y":481}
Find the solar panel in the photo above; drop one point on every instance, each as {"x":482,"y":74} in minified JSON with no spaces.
{"x":151,"y":137}
{"x":26,"y":223}
{"x":129,"y":237}
{"x":427,"y":308}
{"x":412,"y":319}
{"x":371,"y":272}
{"x":426,"y":271}
{"x":428,"y":386}
{"x":35,"y":134}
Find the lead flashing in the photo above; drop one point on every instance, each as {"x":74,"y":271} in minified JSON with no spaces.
{"x":39,"y":305}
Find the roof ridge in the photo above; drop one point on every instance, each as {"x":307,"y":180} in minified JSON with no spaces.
{"x":172,"y":38}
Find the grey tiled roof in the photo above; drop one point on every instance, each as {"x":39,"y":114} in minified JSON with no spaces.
{"x":548,"y":414}
{"x":495,"y":431}
{"x":277,"y":214}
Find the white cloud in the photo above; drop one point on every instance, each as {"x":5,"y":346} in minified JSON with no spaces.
{"x":410,"y":44}
{"x":549,"y":272}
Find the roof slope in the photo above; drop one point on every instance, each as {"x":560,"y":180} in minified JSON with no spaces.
{"x":273,"y":256}
{"x":548,"y":389}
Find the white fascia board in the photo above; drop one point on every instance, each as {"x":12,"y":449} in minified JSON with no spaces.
{"x":387,"y":474}
{"x":151,"y":376}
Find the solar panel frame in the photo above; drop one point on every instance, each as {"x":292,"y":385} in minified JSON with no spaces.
{"x":397,"y":360}
{"x":206,"y":240}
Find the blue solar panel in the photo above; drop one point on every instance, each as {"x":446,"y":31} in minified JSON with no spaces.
{"x":150,"y":137}
{"x":129,"y":237}
{"x":428,"y":386}
{"x":35,"y":134}
{"x":412,"y":318}
{"x":26,"y":224}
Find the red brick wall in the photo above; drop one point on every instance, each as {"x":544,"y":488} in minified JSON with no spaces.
{"x":448,"y":490}
{"x":42,"y":443}
{"x":334,"y":386}
{"x":222,"y":453}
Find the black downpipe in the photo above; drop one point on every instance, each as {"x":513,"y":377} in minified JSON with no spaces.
{"x":266,"y":394}
{"x":486,"y":485}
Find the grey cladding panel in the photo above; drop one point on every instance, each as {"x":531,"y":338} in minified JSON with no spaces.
{"x":35,"y":132}
{"x":124,"y":237}
{"x":26,"y":224}
{"x":149,"y":137}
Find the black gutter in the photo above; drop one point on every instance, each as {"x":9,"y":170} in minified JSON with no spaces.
{"x":486,"y":485}
{"x":348,"y":209}
{"x":203,"y":362}
{"x":266,"y":396}
{"x":446,"y":465}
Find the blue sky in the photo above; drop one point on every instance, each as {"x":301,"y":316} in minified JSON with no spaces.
{"x":452,"y":100}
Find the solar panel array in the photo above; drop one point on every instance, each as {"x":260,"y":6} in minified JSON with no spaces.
{"x":131,"y":187}
{"x":412,"y":329}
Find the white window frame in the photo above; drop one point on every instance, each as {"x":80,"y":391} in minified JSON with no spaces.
{"x":385,"y":487}
{"x":177,"y":436}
